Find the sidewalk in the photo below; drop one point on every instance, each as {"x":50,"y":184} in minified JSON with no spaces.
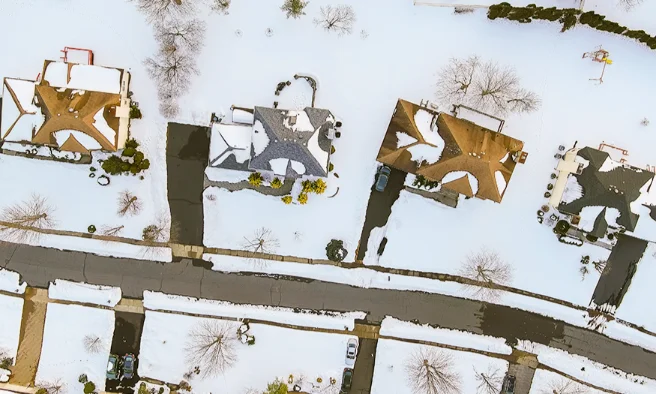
{"x":31,"y":337}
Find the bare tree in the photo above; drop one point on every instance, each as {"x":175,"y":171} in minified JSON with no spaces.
{"x":221,"y":6}
{"x":490,"y":381}
{"x":112,"y":231}
{"x":56,"y":386}
{"x":488,"y":269}
{"x":34,"y":212}
{"x":564,"y":386}
{"x":294,"y":8}
{"x":429,"y":372}
{"x":211,"y":347}
{"x":339,"y":19}
{"x":171,"y":70}
{"x":485,"y":86}
{"x":93,"y":344}
{"x":262,"y":241}
{"x":169,"y":108}
{"x":128,"y":204}
{"x":160,"y":10}
{"x":629,"y":4}
{"x":455,"y":79}
{"x":181,"y":35}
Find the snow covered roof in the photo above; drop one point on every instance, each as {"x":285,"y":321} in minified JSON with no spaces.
{"x":467,"y":158}
{"x":20,"y":116}
{"x":291,"y":143}
{"x":230,"y":146}
{"x":606,"y":183}
{"x":82,"y":77}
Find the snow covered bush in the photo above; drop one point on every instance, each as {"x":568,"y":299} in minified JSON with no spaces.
{"x":294,"y":8}
{"x":335,"y":250}
{"x":220,"y":6}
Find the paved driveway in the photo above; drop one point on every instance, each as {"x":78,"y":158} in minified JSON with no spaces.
{"x":187,"y":152}
{"x":127,"y":339}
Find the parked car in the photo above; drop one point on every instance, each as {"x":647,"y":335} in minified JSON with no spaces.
{"x":128,"y":366}
{"x":347,"y":380}
{"x":351,"y":351}
{"x":508,"y":386}
{"x":383,"y":177}
{"x":112,"y":367}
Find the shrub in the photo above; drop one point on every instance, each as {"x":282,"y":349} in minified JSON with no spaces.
{"x":302,"y":198}
{"x":331,"y":167}
{"x":307,"y":186}
{"x":255,"y":179}
{"x":562,"y":227}
{"x":129,"y":152}
{"x":135,"y":112}
{"x":332,"y":149}
{"x":83,"y":378}
{"x":131,"y":143}
{"x":41,"y":391}
{"x":276,"y":387}
{"x":113,"y":165}
{"x":335,"y":250}
{"x":6,"y":362}
{"x":251,"y":341}
{"x":131,"y":160}
{"x":287,"y":199}
{"x":89,"y":387}
{"x":91,"y":229}
{"x":591,"y":238}
{"x":276,"y":183}
{"x":319,"y":186}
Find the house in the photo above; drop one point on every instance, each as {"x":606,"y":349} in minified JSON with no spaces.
{"x":72,"y":107}
{"x":464,"y":157}
{"x":286,"y":143}
{"x":600,"y":193}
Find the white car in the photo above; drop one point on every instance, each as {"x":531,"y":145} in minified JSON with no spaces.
{"x":351,"y":351}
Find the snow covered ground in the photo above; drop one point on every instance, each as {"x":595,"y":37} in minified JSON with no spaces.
{"x":11,"y":310}
{"x":84,"y":292}
{"x":10,"y":281}
{"x":305,"y":355}
{"x":63,"y":354}
{"x":307,"y":318}
{"x":546,"y":382}
{"x":392,"y":356}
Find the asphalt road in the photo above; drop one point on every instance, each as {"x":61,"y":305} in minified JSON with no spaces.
{"x":39,"y":266}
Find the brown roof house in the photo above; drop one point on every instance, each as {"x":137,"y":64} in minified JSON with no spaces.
{"x":464,"y":157}
{"x":72,"y":107}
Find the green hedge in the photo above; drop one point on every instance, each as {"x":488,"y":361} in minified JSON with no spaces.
{"x":568,"y":17}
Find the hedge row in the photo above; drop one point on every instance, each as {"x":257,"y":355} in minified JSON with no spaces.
{"x":568,"y":17}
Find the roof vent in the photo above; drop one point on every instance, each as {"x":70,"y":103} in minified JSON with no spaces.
{"x":292,"y":120}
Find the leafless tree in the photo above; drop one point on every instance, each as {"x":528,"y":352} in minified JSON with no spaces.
{"x":564,"y":386}
{"x":455,"y":79}
{"x":128,"y":204}
{"x":429,"y":372}
{"x":211,"y":347}
{"x":220,"y":6}
{"x":629,"y":4}
{"x":485,"y":86}
{"x":93,"y":344}
{"x":339,"y":19}
{"x":56,"y":386}
{"x":169,"y":108}
{"x":181,"y":35}
{"x":490,"y":381}
{"x":112,"y":231}
{"x":160,"y":10}
{"x":294,"y":8}
{"x":488,"y":269}
{"x":262,"y":241}
{"x":171,"y":70}
{"x":34,"y":212}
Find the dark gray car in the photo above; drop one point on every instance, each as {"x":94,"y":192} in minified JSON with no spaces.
{"x":383,"y":176}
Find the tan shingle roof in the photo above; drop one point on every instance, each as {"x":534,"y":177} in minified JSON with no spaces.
{"x":467,"y":147}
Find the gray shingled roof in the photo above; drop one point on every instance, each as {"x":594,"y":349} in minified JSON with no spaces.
{"x":617,"y":188}
{"x":285,"y":143}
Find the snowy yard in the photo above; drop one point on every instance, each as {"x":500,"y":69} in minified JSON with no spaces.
{"x":304,"y":356}
{"x":546,"y":382}
{"x":84,"y":292}
{"x":65,"y":355}
{"x":11,"y":310}
{"x":392,"y":358}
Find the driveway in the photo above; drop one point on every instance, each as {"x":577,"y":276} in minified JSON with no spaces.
{"x":363,"y":372}
{"x":380,"y":208}
{"x":616,"y":277}
{"x":187,"y":155}
{"x":127,"y":339}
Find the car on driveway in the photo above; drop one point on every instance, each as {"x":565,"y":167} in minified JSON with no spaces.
{"x":112,"y":367}
{"x":351,"y":351}
{"x":347,"y":380}
{"x":382,"y":179}
{"x":128,"y":366}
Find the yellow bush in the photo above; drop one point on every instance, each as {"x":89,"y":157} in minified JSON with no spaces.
{"x":255,"y":179}
{"x":287,"y":199}
{"x":276,"y":183}
{"x":302,"y":198}
{"x":319,"y":186}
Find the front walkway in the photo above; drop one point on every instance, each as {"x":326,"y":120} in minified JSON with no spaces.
{"x":31,"y":337}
